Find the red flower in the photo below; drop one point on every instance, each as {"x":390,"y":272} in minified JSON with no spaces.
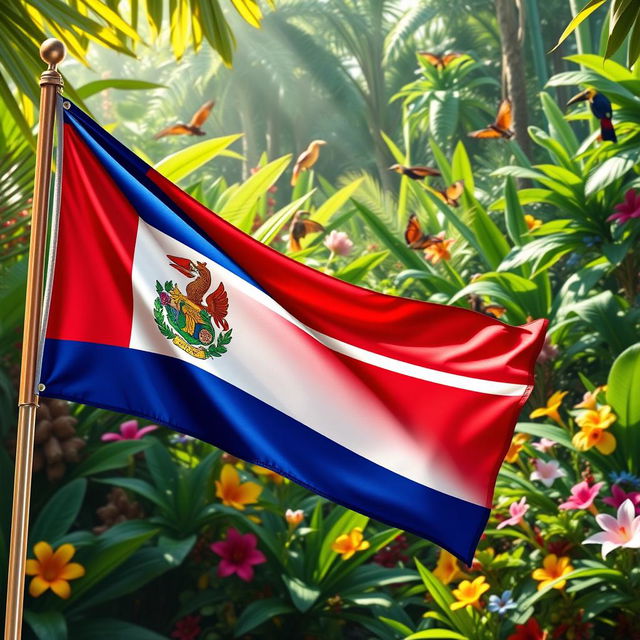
{"x":187,"y":628}
{"x":239,"y":554}
{"x":391,"y":555}
{"x":576,"y":629}
{"x":529,"y":631}
{"x":628,"y":209}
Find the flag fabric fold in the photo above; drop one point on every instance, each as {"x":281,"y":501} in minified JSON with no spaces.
{"x":399,"y":409}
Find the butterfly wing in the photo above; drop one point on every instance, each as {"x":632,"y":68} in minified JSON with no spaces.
{"x":495,"y":310}
{"x":174,"y":130}
{"x":504,"y":119}
{"x":416,"y":238}
{"x":431,"y":58}
{"x":449,"y":58}
{"x":200,"y":116}
{"x":485,"y":133}
{"x":453,"y":192}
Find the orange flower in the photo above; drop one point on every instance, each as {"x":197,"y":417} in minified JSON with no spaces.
{"x":440,"y":250}
{"x":276,"y":478}
{"x":447,"y":569}
{"x":551,"y":410}
{"x":589,"y":399}
{"x":517,"y":444}
{"x":469,"y":593}
{"x":53,"y":570}
{"x":348,"y":543}
{"x":531,"y":222}
{"x":232,"y":492}
{"x":554,"y":568}
{"x":593,"y":423}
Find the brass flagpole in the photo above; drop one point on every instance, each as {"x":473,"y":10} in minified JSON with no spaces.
{"x":52,"y":51}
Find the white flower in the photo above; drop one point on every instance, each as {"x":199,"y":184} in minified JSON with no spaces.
{"x":623,"y":531}
{"x":547,"y":472}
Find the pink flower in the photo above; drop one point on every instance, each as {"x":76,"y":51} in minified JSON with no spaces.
{"x":623,"y":531}
{"x":548,"y":352}
{"x":545,"y":445}
{"x":239,"y":554}
{"x":128,"y":431}
{"x":582,"y":495}
{"x":619,"y":495}
{"x":628,"y":209}
{"x":187,"y":628}
{"x":338,"y":242}
{"x":517,"y":511}
{"x":547,"y":472}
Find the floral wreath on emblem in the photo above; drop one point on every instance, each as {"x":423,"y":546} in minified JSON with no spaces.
{"x":188,"y":319}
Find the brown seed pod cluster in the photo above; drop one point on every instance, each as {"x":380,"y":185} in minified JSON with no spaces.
{"x":119,"y":508}
{"x":56,"y":442}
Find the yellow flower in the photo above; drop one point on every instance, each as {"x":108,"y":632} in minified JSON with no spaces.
{"x":447,"y":569}
{"x":589,"y":399}
{"x":554,"y":567}
{"x":517,"y":444}
{"x":232,"y":492}
{"x":593,"y":423}
{"x":551,"y":410}
{"x":531,"y":222}
{"x":348,"y":543}
{"x":53,"y":570}
{"x":276,"y":478}
{"x":469,"y":593}
{"x":439,"y":250}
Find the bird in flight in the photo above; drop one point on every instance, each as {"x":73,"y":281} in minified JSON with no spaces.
{"x":300,"y":226}
{"x":502,"y":127}
{"x":191,"y":129}
{"x":415,"y":173}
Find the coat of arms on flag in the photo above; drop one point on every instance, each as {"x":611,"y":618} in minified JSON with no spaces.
{"x":188,"y":319}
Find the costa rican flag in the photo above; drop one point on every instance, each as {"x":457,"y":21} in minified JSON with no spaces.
{"x":399,"y":409}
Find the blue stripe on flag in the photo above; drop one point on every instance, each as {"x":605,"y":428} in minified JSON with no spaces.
{"x":190,"y":400}
{"x":128,"y":172}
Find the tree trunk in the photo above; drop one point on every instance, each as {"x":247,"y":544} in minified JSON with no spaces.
{"x":513,"y":67}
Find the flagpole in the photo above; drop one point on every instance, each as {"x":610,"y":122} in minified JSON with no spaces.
{"x":52,"y":52}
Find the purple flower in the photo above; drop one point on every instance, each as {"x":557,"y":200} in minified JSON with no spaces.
{"x":628,"y":209}
{"x":619,"y":495}
{"x":165,"y":298}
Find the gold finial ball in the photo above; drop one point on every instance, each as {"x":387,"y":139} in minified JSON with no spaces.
{"x":52,"y":51}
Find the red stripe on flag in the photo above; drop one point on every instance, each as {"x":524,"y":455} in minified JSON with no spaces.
{"x":441,"y":337}
{"x":96,"y":244}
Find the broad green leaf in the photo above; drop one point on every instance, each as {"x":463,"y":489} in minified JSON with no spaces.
{"x":270,"y":228}
{"x":396,"y":625}
{"x":249,"y":10}
{"x":139,"y":486}
{"x":588,"y":9}
{"x":182,"y":163}
{"x":332,"y":205}
{"x":514,"y":215}
{"x":542,"y":430}
{"x":258,"y":612}
{"x":113,"y":455}
{"x":91,"y":88}
{"x":559,"y":127}
{"x":623,"y":386}
{"x":302,"y":595}
{"x":461,"y":168}
{"x":607,"y":68}
{"x":238,"y":210}
{"x":47,"y":625}
{"x":357,"y":269}
{"x":610,"y":170}
{"x":59,"y":513}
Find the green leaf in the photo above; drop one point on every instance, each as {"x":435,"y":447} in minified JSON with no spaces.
{"x":258,"y":612}
{"x":112,"y":548}
{"x":47,"y":625}
{"x":91,"y":88}
{"x":332,"y":205}
{"x":109,"y":629}
{"x":559,"y":127}
{"x":270,"y":228}
{"x":514,"y":215}
{"x":396,"y":625}
{"x":610,"y":170}
{"x":182,"y":163}
{"x":59,"y":513}
{"x":249,"y":10}
{"x":542,"y":430}
{"x":580,"y":17}
{"x":358,"y":268}
{"x":302,"y":595}
{"x":139,"y":486}
{"x":623,"y":386}
{"x":113,"y":455}
{"x":238,"y":209}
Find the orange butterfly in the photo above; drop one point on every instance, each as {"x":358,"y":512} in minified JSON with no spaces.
{"x":502,"y":127}
{"x":439,"y":61}
{"x":450,"y":195}
{"x":493,"y":310}
{"x":416,"y":238}
{"x":191,"y":129}
{"x":415,"y":173}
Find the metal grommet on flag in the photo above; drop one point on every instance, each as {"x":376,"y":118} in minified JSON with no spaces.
{"x":66,"y":104}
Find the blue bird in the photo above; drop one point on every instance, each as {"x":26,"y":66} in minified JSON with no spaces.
{"x":601,"y":108}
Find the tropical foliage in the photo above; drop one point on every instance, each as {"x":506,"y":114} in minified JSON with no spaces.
{"x":139,"y":532}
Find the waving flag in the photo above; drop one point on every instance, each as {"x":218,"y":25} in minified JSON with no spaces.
{"x":399,"y":409}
